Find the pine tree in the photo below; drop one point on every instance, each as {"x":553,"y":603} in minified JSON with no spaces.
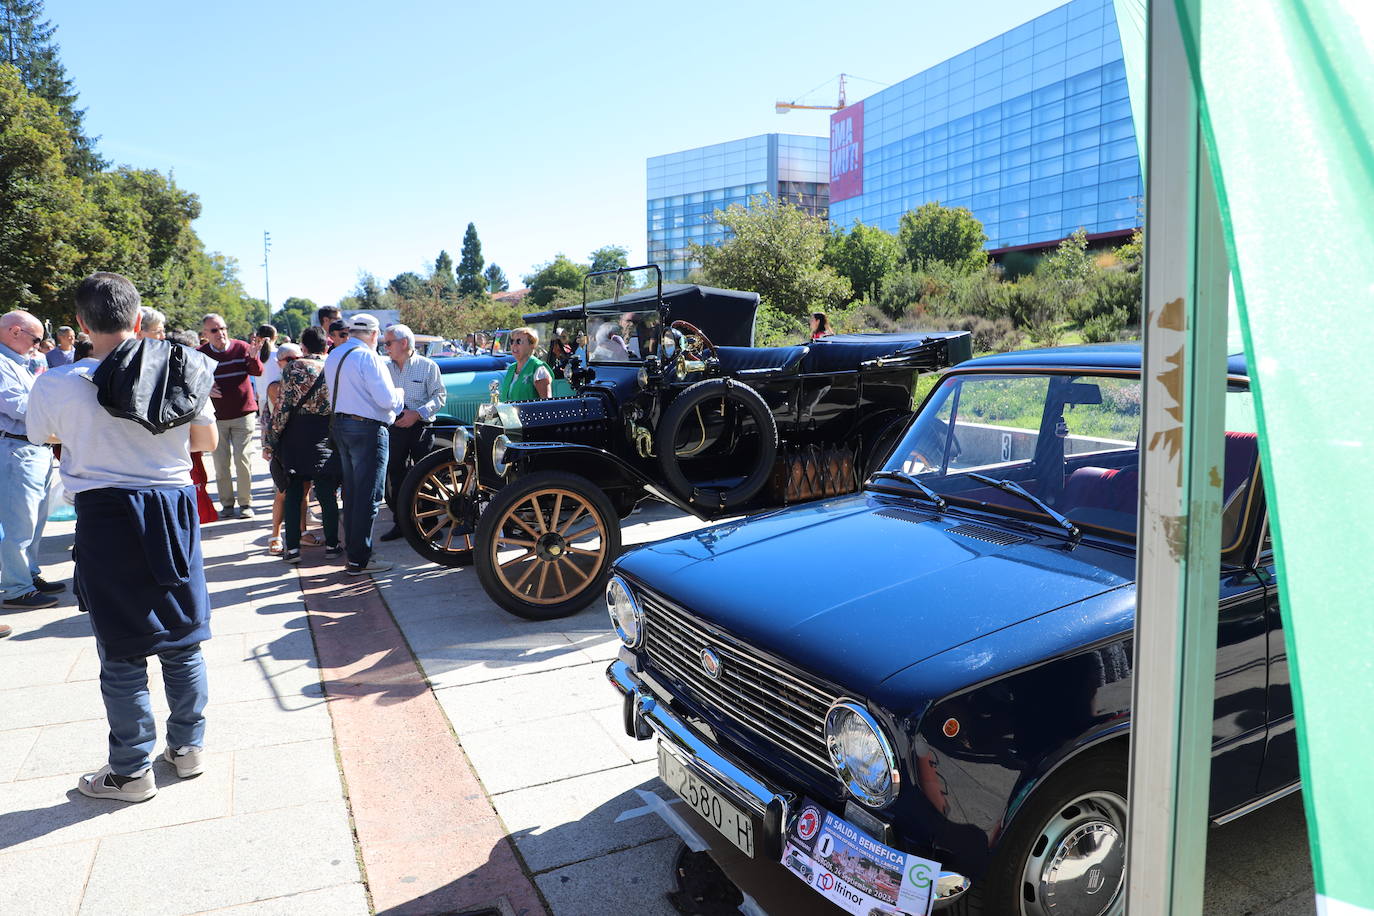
{"x":496,"y":279}
{"x":470,"y":282}
{"x":441,"y":282}
{"x":26,"y":42}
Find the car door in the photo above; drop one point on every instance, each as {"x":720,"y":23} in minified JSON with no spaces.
{"x":1281,"y":753}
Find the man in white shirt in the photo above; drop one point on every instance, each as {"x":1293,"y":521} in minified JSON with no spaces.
{"x":409,"y":438}
{"x":365,"y":403}
{"x":139,"y":570}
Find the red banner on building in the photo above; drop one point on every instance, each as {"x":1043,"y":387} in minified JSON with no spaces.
{"x":847,"y":153}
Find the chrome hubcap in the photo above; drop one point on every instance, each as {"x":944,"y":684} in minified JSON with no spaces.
{"x":1077,"y":866}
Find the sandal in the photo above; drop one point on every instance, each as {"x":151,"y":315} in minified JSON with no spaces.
{"x":311,"y":539}
{"x":274,"y":544}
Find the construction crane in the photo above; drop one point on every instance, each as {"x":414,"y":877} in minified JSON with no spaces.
{"x":784,"y":107}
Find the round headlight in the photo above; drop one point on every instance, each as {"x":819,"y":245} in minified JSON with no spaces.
{"x":643,"y":378}
{"x":861,"y":754}
{"x":626,"y":615}
{"x":460,"y":443}
{"x":498,"y":455}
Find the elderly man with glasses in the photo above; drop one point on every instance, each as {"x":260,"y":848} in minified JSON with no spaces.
{"x":25,"y":472}
{"x":236,"y":404}
{"x":410,"y":438}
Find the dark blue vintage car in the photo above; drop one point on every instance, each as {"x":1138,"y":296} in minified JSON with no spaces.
{"x":943,"y":660}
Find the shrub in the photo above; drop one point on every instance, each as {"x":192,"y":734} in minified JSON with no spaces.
{"x":775,"y":328}
{"x":1106,"y":327}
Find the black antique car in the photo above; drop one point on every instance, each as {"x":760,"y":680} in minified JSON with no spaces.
{"x":675,"y":403}
{"x":942,"y":663}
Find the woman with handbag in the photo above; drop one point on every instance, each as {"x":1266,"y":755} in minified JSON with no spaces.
{"x":299,"y":439}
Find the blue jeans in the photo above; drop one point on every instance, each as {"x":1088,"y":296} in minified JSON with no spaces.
{"x":124,"y":685}
{"x":362,"y":450}
{"x":25,"y":472}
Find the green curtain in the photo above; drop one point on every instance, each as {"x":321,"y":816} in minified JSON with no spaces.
{"x":1286,"y":89}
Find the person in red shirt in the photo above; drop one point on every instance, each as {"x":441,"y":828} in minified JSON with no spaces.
{"x":235,"y":406}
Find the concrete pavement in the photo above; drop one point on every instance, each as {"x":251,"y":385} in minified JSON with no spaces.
{"x":403,"y":747}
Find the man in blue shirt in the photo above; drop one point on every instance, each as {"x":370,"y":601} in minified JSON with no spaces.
{"x":365,"y":402}
{"x":25,"y":471}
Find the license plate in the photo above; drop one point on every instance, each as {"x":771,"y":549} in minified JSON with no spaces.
{"x":732,"y":823}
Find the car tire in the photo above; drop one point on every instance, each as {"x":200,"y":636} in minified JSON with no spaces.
{"x":665,"y":439}
{"x":566,"y":561}
{"x":431,"y":510}
{"x":1079,"y":814}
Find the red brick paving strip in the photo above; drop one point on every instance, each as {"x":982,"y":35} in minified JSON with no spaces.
{"x":431,"y":842}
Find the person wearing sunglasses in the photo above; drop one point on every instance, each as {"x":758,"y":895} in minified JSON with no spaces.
{"x":25,"y":472}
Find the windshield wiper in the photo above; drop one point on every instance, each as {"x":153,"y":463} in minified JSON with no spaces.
{"x":1011,"y":486}
{"x":910,"y":479}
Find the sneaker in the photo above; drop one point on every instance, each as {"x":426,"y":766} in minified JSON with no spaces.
{"x":5,"y":630}
{"x":333,"y":553}
{"x":186,"y":760}
{"x":291,"y":555}
{"x":394,"y":533}
{"x":105,"y":784}
{"x":246,"y":512}
{"x":48,"y":588}
{"x":372,"y":566}
{"x":29,"y":601}
{"x":229,"y":512}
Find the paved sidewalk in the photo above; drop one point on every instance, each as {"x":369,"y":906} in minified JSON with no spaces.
{"x":264,"y":830}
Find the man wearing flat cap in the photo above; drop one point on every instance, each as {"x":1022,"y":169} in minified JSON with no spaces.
{"x":364,"y":403}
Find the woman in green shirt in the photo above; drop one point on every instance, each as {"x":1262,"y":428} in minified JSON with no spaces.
{"x":528,"y":378}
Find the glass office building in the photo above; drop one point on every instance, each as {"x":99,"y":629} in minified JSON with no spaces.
{"x":686,"y":187}
{"x":1031,"y":131}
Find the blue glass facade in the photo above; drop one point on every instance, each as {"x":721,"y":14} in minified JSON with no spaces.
{"x":686,"y":187}
{"x":1031,"y":131}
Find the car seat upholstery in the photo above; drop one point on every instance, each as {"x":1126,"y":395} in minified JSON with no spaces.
{"x":740,"y":359}
{"x":1116,"y":489}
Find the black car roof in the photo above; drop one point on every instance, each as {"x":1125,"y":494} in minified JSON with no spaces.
{"x":1126,"y":355}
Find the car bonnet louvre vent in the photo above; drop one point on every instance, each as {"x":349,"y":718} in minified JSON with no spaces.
{"x":903,"y":515}
{"x":991,"y":535}
{"x":758,"y":695}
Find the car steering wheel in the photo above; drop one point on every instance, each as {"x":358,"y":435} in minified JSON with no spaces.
{"x":694,"y":342}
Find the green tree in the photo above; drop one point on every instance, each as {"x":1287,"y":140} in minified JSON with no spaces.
{"x":1069,"y":270}
{"x":441,"y":282}
{"x":774,"y":249}
{"x":470,"y":282}
{"x":952,"y":235}
{"x":609,"y":257}
{"x":408,"y":285}
{"x":864,"y":255}
{"x":295,"y":315}
{"x":558,"y":279}
{"x":26,"y":42}
{"x":50,"y":232}
{"x":368,"y":292}
{"x":496,"y":279}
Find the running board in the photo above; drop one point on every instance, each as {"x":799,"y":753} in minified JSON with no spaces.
{"x":1243,"y":810}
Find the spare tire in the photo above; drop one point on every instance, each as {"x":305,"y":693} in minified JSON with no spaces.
{"x":665,"y":443}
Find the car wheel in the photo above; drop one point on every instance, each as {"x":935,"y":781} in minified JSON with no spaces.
{"x":436,"y":514}
{"x":546,"y":544}
{"x":1066,"y":850}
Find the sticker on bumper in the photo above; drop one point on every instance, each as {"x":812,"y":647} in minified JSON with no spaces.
{"x":855,"y":871}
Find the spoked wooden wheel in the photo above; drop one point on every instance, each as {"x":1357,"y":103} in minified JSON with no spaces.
{"x":546,"y":545}
{"x":436,"y":510}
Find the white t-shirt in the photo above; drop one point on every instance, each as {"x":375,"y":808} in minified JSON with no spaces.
{"x":271,"y":372}
{"x":101,"y":450}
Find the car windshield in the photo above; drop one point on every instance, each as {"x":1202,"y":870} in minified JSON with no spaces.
{"x":623,"y":337}
{"x":1070,"y":440}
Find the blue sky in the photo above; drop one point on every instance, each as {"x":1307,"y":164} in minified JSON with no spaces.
{"x":365,"y":136}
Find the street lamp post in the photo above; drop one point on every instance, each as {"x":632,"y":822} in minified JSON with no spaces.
{"x":266,"y":275}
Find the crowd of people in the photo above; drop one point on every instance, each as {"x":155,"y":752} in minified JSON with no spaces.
{"x":122,"y":411}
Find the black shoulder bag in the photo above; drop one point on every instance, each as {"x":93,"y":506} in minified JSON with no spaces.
{"x":304,"y":446}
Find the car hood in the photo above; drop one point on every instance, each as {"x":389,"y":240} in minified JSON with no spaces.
{"x":855,"y":589}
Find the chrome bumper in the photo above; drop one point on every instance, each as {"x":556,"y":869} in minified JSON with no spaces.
{"x":645,"y":716}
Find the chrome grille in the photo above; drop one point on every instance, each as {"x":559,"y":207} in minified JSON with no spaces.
{"x":757,"y":694}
